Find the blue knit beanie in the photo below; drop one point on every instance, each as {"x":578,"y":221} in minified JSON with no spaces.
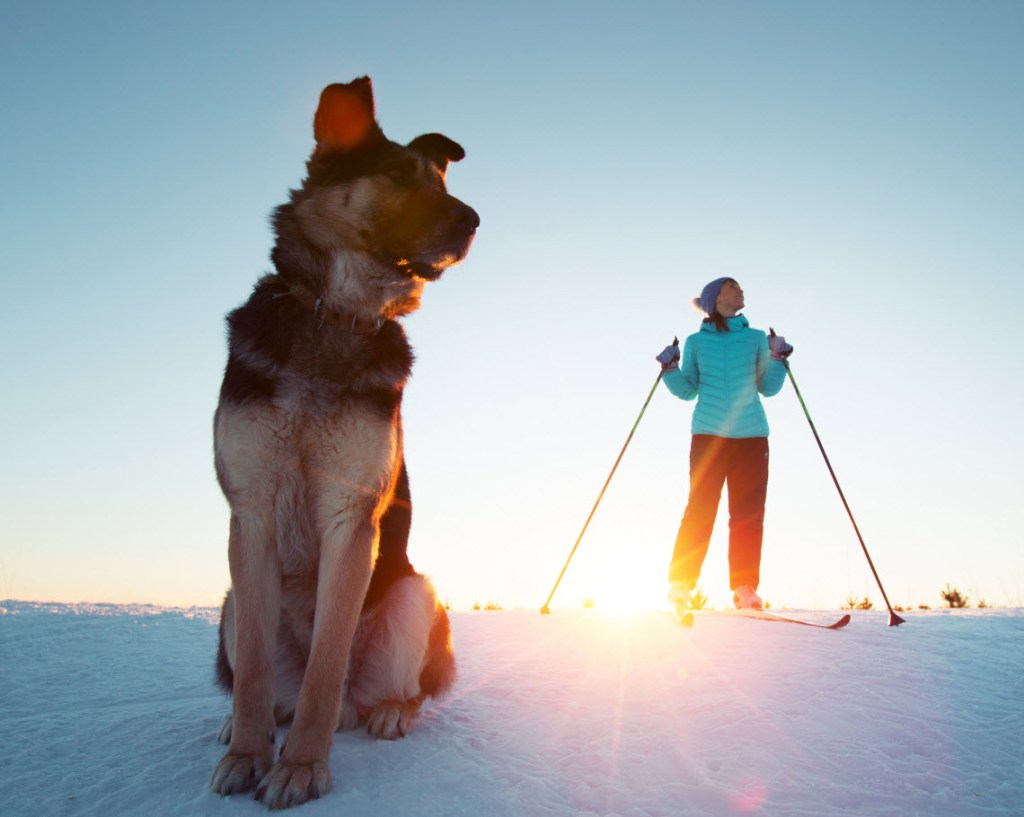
{"x":709,"y":295}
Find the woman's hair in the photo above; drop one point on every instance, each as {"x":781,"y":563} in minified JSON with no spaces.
{"x":716,"y":317}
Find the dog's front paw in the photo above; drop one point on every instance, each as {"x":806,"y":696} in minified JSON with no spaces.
{"x":292,"y":784}
{"x":392,"y":719}
{"x":240,"y":772}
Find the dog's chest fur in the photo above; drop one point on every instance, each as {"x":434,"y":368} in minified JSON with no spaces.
{"x":280,"y":351}
{"x":307,"y":401}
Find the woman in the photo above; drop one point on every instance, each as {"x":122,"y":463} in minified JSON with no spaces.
{"x":725,"y":366}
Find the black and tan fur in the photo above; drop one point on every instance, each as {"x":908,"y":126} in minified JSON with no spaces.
{"x":327,"y":624}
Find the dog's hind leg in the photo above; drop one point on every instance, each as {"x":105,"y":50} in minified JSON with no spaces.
{"x":256,"y":611}
{"x":401,"y":655}
{"x":402,"y":650}
{"x":392,"y":554}
{"x":224,"y":673}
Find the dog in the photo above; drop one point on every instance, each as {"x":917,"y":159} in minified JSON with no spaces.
{"x":326,"y":624}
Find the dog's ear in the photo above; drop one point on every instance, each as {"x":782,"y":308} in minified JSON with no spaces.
{"x":345,"y":118}
{"x":439,"y":149}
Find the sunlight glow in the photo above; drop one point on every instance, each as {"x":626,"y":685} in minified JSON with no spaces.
{"x":611,"y":588}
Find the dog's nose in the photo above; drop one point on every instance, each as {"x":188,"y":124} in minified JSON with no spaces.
{"x":469,"y":219}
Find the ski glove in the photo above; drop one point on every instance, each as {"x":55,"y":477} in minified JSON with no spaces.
{"x":669,"y":358}
{"x":780,"y":349}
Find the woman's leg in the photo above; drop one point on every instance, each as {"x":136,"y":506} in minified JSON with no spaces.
{"x":707,"y":475}
{"x":748,"y":487}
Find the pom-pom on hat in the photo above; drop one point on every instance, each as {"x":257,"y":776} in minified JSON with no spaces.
{"x":709,"y":295}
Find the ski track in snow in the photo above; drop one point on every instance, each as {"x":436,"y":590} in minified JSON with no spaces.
{"x":110,"y":710}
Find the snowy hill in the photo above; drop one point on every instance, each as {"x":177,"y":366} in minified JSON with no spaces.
{"x":110,"y":711}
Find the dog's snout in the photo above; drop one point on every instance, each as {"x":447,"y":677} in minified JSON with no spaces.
{"x":468,"y":219}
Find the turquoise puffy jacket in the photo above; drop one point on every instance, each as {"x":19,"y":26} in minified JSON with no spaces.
{"x":726,"y":371}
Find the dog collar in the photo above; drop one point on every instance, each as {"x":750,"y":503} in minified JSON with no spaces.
{"x":354,"y":323}
{"x":341,"y":318}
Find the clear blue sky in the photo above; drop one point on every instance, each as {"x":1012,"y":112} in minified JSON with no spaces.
{"x":856,"y":166}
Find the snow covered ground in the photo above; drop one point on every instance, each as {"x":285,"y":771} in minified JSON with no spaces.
{"x":110,"y":711}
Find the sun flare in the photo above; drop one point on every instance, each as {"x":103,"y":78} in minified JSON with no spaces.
{"x":613,"y":589}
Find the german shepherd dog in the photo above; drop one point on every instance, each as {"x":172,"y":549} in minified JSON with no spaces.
{"x":327,"y":624}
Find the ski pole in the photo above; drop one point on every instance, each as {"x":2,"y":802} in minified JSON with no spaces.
{"x":546,"y":610}
{"x":894,"y":620}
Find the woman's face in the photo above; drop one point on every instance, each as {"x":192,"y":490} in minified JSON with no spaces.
{"x":730,"y":299}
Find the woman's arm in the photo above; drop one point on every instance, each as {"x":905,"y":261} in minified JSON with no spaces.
{"x":684,"y":382}
{"x":771,"y":373}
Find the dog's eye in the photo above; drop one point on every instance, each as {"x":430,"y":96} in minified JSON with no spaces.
{"x":401,"y":171}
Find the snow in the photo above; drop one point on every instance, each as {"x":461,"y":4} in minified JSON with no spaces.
{"x":110,"y":710}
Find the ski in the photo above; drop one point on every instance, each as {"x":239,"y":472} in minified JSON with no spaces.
{"x":764,"y":615}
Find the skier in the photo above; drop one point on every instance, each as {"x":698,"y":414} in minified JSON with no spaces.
{"x":725,"y":366}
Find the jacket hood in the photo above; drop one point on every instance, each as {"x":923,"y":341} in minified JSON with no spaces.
{"x":737,"y":322}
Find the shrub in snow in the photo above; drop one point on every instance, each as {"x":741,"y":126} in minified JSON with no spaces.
{"x":953,"y":597}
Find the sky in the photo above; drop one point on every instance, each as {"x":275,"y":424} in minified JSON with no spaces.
{"x":855,"y":166}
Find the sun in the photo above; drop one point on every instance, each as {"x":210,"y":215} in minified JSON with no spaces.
{"x":623,"y":589}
